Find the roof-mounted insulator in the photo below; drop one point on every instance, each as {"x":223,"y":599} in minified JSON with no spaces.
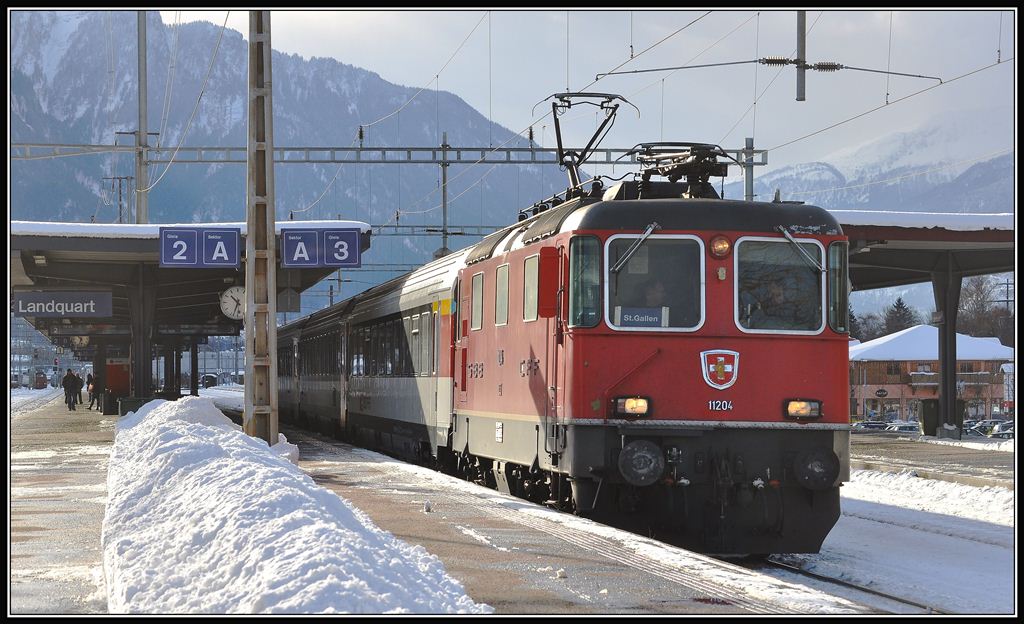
{"x":826,"y":66}
{"x":776,"y":60}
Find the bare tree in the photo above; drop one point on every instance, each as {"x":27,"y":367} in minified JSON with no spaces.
{"x":871,"y":326}
{"x":978,"y":314}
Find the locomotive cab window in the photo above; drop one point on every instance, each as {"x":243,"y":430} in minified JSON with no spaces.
{"x":779,"y":288}
{"x":585,"y":281}
{"x":839,"y":287}
{"x":654,"y":284}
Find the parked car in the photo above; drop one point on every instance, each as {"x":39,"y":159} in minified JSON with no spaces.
{"x":968,"y":424}
{"x":974,"y":432}
{"x":209,"y":380}
{"x":1005,"y":425}
{"x":1006,"y":434}
{"x":987,"y":425}
{"x":904,"y":427}
{"x":870,"y":424}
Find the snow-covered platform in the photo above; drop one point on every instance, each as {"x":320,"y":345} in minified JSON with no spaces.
{"x":58,"y":490}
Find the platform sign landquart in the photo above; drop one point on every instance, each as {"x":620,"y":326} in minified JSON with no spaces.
{"x":62,"y":304}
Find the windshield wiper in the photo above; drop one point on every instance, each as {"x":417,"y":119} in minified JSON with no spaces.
{"x":636,"y":245}
{"x":806,"y":256}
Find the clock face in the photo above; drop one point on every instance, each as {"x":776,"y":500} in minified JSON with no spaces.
{"x":232,"y":302}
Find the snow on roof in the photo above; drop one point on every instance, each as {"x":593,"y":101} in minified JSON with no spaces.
{"x":944,"y":220}
{"x":921,"y":342}
{"x":152,"y":230}
{"x":202,"y":518}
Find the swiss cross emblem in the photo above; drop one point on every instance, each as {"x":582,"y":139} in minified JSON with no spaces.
{"x":720,"y":367}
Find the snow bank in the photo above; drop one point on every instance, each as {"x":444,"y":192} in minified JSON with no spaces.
{"x":202,"y":518}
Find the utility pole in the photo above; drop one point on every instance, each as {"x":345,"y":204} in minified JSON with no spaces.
{"x":260,"y":417}
{"x":120,"y":207}
{"x":748,"y":170}
{"x":444,"y":251}
{"x":142,"y":136}
{"x":801,"y":54}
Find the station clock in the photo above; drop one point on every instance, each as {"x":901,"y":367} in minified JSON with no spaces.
{"x":232,"y":302}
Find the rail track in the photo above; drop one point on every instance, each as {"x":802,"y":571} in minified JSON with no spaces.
{"x":781,"y":565}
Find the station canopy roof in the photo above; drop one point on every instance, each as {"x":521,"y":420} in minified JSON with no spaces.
{"x":889,"y":248}
{"x":108,"y":257}
{"x":921,"y":342}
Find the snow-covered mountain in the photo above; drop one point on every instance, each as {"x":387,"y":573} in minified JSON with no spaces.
{"x":73,"y":80}
{"x":950,"y":163}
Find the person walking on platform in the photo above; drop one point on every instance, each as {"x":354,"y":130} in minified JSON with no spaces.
{"x":96,"y":393}
{"x":81,"y":384}
{"x":70,"y":385}
{"x":89,"y":380}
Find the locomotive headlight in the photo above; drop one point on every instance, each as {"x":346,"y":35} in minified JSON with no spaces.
{"x":720,"y":246}
{"x":803,"y":409}
{"x":632,"y":406}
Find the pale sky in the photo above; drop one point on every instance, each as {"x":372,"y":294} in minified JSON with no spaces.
{"x":515,"y":59}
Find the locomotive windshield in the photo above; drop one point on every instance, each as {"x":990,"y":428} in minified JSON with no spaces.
{"x":777,"y":289}
{"x":660,"y":285}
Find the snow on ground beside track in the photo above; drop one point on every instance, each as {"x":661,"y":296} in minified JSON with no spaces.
{"x":22,"y":399}
{"x":984,"y":444}
{"x":202,"y":518}
{"x":905,"y":491}
{"x":934,"y":542}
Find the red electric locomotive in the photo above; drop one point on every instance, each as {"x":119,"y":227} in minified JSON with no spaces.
{"x":647,"y":354}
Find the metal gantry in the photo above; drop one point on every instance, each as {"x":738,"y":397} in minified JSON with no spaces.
{"x":398,"y":155}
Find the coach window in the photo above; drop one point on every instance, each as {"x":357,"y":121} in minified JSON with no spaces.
{"x":425,"y":342}
{"x":378,"y":348}
{"x":477,"y":319}
{"x":414,"y":345}
{"x":585,"y":281}
{"x":838,"y":287}
{"x":394,"y":355}
{"x":501,"y":295}
{"x":530,"y":273}
{"x":655,"y":284}
{"x":779,"y":287}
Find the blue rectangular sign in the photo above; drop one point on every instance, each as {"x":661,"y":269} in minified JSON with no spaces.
{"x":220,"y":248}
{"x":179,"y":247}
{"x":68,"y":304}
{"x":341,"y":248}
{"x":300,"y":248}
{"x":200,"y":248}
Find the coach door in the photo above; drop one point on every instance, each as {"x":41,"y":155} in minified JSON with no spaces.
{"x":549,"y":298}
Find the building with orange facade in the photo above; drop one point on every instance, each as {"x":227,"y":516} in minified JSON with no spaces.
{"x":891,"y":376}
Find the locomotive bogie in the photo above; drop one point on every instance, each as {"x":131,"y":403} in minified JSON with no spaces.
{"x":770,"y":490}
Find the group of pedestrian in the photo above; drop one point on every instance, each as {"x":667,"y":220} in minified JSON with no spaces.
{"x":73,"y":384}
